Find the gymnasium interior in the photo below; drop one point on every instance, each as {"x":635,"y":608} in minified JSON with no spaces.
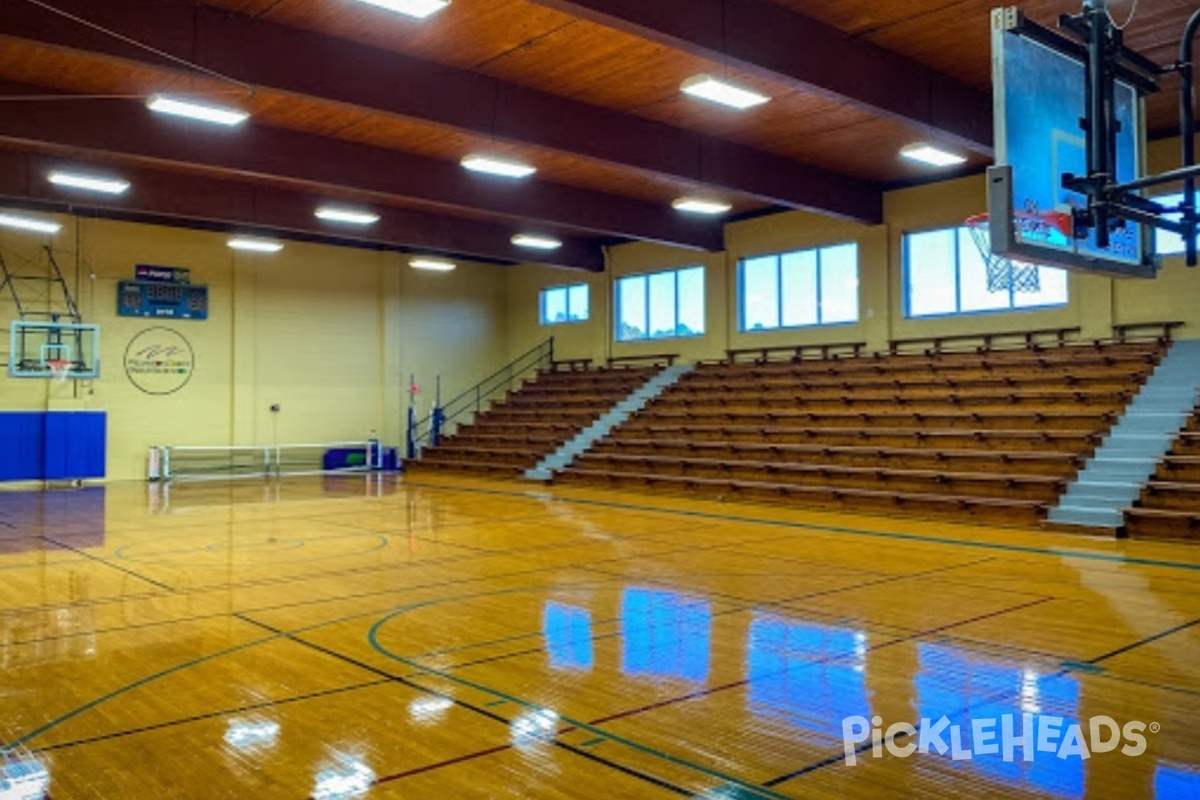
{"x":598,"y":399}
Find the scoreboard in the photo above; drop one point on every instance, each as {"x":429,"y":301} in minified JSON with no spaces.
{"x":154,"y":299}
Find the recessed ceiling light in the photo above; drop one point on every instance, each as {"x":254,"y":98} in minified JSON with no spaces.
{"x":91,"y":183}
{"x":695,"y":205}
{"x":347,"y":215}
{"x":432,"y":265}
{"x":498,"y":166}
{"x":29,"y":224}
{"x":928,"y":154}
{"x":411,"y":8}
{"x":255,"y":245}
{"x":717,"y":91}
{"x":201,"y":111}
{"x":536,"y":242}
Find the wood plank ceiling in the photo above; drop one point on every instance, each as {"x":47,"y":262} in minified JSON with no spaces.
{"x":354,"y":103}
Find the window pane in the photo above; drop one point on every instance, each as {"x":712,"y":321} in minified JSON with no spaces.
{"x":631,"y":304}
{"x":760,"y":294}
{"x":1053,"y":290}
{"x":662,"y":305}
{"x":554,"y":306}
{"x":929,"y":273}
{"x":1167,"y":243}
{"x":691,"y":302}
{"x":800,"y":289}
{"x":976,"y":294}
{"x":577,"y":302}
{"x":839,"y":284}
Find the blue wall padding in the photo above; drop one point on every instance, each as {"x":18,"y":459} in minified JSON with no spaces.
{"x":52,"y":445}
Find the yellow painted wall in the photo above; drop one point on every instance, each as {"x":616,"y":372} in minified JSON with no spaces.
{"x":1095,"y":304}
{"x":330,"y":334}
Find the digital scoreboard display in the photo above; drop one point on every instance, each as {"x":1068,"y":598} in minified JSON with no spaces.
{"x":170,"y":300}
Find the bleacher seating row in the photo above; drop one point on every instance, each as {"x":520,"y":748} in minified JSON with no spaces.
{"x":533,"y":421}
{"x":1169,"y":505}
{"x":993,"y":434}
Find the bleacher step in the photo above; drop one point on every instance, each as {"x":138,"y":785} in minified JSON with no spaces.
{"x":621,"y":411}
{"x":1128,"y":457}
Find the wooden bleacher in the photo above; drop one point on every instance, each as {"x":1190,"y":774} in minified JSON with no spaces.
{"x":982,"y":433}
{"x":1169,"y":505}
{"x":515,"y":433}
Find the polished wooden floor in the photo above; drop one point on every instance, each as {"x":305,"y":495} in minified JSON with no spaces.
{"x":366,"y":637}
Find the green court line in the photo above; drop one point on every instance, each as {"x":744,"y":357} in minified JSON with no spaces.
{"x":1083,"y":666}
{"x":896,"y":535}
{"x":593,"y":742}
{"x":492,"y":704}
{"x":54,"y":723}
{"x":373,"y":639}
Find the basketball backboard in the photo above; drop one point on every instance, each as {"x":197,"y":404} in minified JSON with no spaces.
{"x":35,"y":347}
{"x":1039,"y":91}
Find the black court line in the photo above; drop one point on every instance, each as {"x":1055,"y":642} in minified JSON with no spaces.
{"x":111,"y":565}
{"x":1143,"y":642}
{"x":825,"y":762}
{"x":310,"y":576}
{"x":481,"y":711}
{"x":211,"y":715}
{"x":737,"y":606}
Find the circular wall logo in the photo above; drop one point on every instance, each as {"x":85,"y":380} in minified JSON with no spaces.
{"x":159,"y":361}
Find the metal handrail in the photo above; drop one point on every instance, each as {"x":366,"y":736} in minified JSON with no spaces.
{"x":428,"y":431}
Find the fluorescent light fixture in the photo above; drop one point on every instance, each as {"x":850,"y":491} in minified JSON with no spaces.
{"x":694,"y":205}
{"x":928,"y":154}
{"x":201,"y":111}
{"x":29,"y":224}
{"x":255,"y":245}
{"x":498,"y":166}
{"x":536,"y":242}
{"x":432,"y":265}
{"x":347,"y":215}
{"x":91,"y":183}
{"x":717,"y":91}
{"x":411,"y":8}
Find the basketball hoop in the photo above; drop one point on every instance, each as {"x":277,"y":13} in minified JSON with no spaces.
{"x":58,"y":369}
{"x":1005,"y":274}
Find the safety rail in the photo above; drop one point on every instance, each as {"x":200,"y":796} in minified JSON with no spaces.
{"x":795,"y":352}
{"x":428,"y":432}
{"x":983,"y":342}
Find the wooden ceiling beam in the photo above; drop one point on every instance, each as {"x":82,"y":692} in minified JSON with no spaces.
{"x":171,"y":198}
{"x":771,"y":40}
{"x":127,"y":128}
{"x":267,"y":54}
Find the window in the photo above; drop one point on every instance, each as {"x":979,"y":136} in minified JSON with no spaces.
{"x":662,"y":305}
{"x":1167,"y":243}
{"x":793,"y":290}
{"x":564,"y":304}
{"x":944,"y":273}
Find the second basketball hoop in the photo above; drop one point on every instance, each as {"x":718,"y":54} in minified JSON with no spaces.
{"x":1006,"y":274}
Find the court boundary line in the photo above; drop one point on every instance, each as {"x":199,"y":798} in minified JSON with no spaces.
{"x":895,"y":535}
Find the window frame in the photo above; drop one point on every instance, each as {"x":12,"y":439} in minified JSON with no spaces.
{"x":566,"y":290}
{"x":779,"y":256}
{"x":906,"y":287}
{"x":674,"y":272}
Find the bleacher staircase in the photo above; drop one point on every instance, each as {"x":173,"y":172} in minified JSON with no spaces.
{"x":1126,"y":459}
{"x":616,"y":415}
